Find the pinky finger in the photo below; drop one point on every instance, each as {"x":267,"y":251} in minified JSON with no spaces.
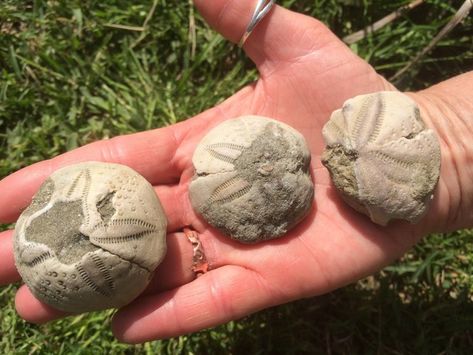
{"x":219,"y":296}
{"x":8,"y":272}
{"x":34,"y":311}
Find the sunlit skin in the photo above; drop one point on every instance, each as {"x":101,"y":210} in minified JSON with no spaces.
{"x":305,"y":74}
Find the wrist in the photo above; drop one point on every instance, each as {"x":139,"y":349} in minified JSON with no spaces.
{"x":451,"y":117}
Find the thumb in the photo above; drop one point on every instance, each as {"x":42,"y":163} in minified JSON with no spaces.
{"x":282,"y":35}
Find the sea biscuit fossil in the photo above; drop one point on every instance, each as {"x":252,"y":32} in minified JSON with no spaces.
{"x":91,"y":237}
{"x":252,"y":178}
{"x":381,"y":156}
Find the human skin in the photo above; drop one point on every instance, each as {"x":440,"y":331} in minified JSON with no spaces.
{"x":305,"y":74}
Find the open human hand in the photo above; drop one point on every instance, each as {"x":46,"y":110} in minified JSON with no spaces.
{"x":305,"y":74}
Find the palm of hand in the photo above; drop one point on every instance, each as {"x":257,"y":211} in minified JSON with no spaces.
{"x":300,"y":84}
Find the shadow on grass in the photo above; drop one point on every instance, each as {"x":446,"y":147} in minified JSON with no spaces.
{"x":395,"y":312}
{"x":354,"y":320}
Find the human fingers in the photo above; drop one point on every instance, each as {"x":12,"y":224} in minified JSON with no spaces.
{"x":160,"y":155}
{"x":301,"y":264}
{"x":177,"y":267}
{"x":150,"y":153}
{"x":176,"y":205}
{"x":33,"y":310}
{"x":175,"y":270}
{"x":8,"y":272}
{"x":229,"y":292}
{"x":173,"y":199}
{"x":281,"y":36}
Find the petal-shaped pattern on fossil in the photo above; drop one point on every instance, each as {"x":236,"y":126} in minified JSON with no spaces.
{"x":121,"y":230}
{"x":255,"y":186}
{"x":226,"y":152}
{"x":394,"y":199}
{"x":80,"y":186}
{"x":390,"y":165}
{"x":134,"y":233}
{"x":100,"y":266}
{"x":74,"y":184}
{"x":365,"y":119}
{"x":87,"y":278}
{"x":123,"y":238}
{"x":91,"y":238}
{"x":230,"y":190}
{"x":99,"y":278}
{"x":33,"y":254}
{"x":38,"y":259}
{"x":79,"y":189}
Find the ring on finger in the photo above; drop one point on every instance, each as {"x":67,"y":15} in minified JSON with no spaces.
{"x":262,"y":9}
{"x":199,"y":262}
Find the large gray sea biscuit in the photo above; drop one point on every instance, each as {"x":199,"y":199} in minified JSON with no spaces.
{"x":381,"y":156}
{"x":252,"y":178}
{"x":91,"y":238}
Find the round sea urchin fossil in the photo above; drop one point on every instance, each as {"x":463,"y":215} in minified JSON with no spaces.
{"x":381,"y":156}
{"x":252,"y":178}
{"x":91,"y":238}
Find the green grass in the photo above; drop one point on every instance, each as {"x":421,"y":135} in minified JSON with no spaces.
{"x":68,"y":78}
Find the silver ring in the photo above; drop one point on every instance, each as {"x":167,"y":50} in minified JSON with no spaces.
{"x":262,"y":9}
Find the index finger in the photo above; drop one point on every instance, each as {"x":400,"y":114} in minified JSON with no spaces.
{"x":160,"y":155}
{"x":150,"y":153}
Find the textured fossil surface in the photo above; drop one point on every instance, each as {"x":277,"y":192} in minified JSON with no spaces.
{"x":252,"y":178}
{"x":381,"y":156}
{"x":91,"y":238}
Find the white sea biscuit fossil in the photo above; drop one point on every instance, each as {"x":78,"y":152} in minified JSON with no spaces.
{"x":381,"y":156}
{"x":252,"y":178}
{"x":91,"y":238}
